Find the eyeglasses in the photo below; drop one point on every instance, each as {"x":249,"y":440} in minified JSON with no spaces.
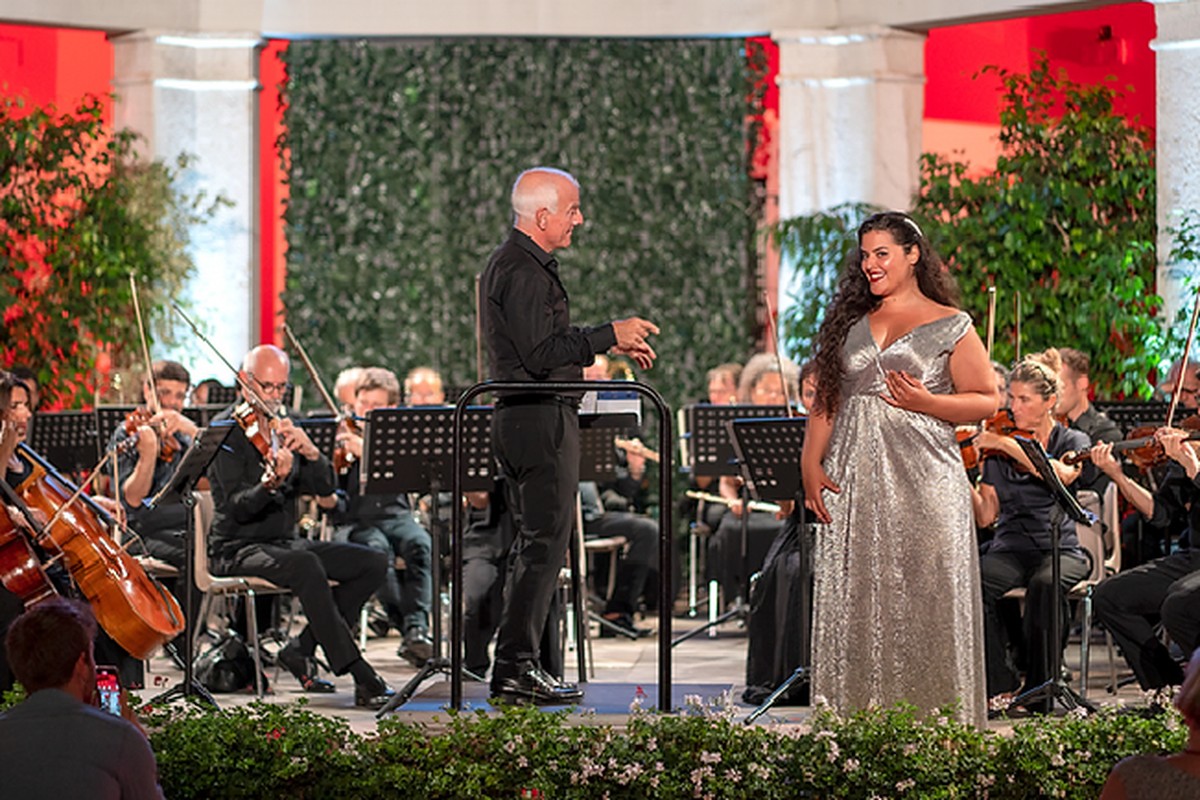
{"x":272,"y":387}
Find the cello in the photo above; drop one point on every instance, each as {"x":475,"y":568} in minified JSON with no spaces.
{"x":134,"y":609}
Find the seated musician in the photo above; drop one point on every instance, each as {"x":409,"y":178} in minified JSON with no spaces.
{"x":14,"y":413}
{"x":617,"y":508}
{"x":1074,"y":405}
{"x":761,"y":384}
{"x":142,"y":473}
{"x":723,"y":384}
{"x":344,"y":386}
{"x":1024,"y":512}
{"x":1143,"y":539}
{"x":386,"y":524}
{"x":254,"y":533}
{"x":1165,"y":589}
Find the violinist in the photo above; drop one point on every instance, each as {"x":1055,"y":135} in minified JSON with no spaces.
{"x":386,"y":524}
{"x":1079,"y":413}
{"x":143,"y":470}
{"x":146,"y":467}
{"x":254,"y":530}
{"x":1142,"y":539}
{"x":1165,"y":589}
{"x":1023,"y":510}
{"x":345,"y":384}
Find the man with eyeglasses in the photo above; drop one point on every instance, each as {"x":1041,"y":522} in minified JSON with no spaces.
{"x":254,"y":533}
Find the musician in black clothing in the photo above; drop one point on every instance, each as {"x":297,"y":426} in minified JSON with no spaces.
{"x":254,"y":533}
{"x":1167,"y":589}
{"x":1073,"y":403}
{"x":141,"y":473}
{"x":386,"y":524}
{"x":529,"y":336}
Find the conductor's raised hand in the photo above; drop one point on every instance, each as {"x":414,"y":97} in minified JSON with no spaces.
{"x":816,"y":481}
{"x":631,"y":340}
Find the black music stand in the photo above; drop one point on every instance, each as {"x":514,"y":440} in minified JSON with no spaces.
{"x":768,"y":453}
{"x":67,"y":439}
{"x":411,"y":450}
{"x":182,"y":487}
{"x":597,"y":462}
{"x":1054,"y":688}
{"x":323,"y":432}
{"x":713,"y":456}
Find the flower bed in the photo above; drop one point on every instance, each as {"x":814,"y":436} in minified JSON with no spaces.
{"x":268,"y":750}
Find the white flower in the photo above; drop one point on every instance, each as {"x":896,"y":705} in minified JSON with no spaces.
{"x":710,"y":758}
{"x":850,"y":765}
{"x":905,"y":785}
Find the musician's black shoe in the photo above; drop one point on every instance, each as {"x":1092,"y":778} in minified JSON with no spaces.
{"x":372,"y":695}
{"x":417,"y":647}
{"x":624,"y":626}
{"x":304,"y":668}
{"x":532,"y":684}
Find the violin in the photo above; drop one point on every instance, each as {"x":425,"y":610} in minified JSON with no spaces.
{"x":261,"y":429}
{"x":1140,"y":446}
{"x":342,"y":457}
{"x":168,"y":446}
{"x":1001,"y":424}
{"x":133,"y":608}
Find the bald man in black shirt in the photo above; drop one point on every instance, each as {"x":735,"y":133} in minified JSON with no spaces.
{"x":529,"y":336}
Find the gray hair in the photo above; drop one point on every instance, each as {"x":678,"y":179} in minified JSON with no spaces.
{"x":761,"y":364}
{"x":526,"y":200}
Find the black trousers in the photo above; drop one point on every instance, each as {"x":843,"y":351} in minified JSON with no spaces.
{"x":305,"y":567}
{"x":537,"y":447}
{"x":1009,"y":569}
{"x":1128,"y":605}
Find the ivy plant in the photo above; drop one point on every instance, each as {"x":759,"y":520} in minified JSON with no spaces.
{"x":400,"y":162}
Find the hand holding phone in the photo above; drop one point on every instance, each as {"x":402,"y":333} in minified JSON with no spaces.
{"x":108,"y":690}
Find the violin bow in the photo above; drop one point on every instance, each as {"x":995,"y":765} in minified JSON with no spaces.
{"x":1183,"y":362}
{"x":773,"y":338}
{"x":312,"y":372}
{"x":991,"y":320}
{"x":137,"y":310}
{"x":1017,"y":314}
{"x":252,"y":396}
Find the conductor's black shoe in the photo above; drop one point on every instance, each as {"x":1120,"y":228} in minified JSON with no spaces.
{"x":534,"y":685}
{"x":417,"y":647}
{"x":372,"y":697}
{"x":623,"y":625}
{"x":304,"y":669}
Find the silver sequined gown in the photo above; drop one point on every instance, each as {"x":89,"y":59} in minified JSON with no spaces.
{"x":897,"y":613}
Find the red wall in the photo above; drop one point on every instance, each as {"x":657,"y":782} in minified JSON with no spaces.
{"x":1090,"y":45}
{"x":55,"y":66}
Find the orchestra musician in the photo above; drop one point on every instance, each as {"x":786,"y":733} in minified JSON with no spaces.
{"x":146,"y":468}
{"x":254,"y":530}
{"x":386,"y":524}
{"x":1080,"y":414}
{"x":1165,"y":589}
{"x":1023,"y":510}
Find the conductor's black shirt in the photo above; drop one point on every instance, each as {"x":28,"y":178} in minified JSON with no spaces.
{"x":527,"y":321}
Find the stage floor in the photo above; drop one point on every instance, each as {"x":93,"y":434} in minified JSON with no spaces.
{"x":711,"y":669}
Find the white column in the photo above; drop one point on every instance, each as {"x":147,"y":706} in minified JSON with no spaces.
{"x":1177,"y":108}
{"x":197,"y":94}
{"x":850,"y":109}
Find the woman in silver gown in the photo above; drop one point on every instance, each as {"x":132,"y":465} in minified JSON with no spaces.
{"x":897,"y":602}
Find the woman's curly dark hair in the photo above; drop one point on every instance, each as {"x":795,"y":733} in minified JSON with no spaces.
{"x":853,"y":299}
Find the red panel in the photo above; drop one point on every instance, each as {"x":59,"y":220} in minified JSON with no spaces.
{"x":1090,"y":45}
{"x":272,"y":193}
{"x":54,"y":66}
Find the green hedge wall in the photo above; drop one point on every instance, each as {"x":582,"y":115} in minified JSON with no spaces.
{"x":402,"y":155}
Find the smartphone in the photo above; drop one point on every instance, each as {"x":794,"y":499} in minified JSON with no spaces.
{"x":108,"y":690}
